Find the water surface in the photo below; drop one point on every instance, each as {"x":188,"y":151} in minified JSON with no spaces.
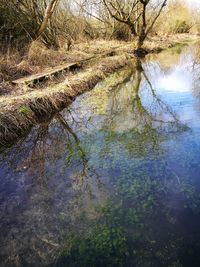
{"x":114,"y":179}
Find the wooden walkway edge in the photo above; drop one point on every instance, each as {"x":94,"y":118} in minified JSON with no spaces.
{"x":48,"y":72}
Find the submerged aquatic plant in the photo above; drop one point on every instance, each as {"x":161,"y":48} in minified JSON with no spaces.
{"x":134,"y":228}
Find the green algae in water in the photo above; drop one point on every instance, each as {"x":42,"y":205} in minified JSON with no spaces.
{"x":127,"y":231}
{"x":111,"y":181}
{"x":139,"y":225}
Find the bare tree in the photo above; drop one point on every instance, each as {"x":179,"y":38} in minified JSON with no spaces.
{"x":145,"y":27}
{"x":33,"y":23}
{"x":134,"y":14}
{"x":122,"y":11}
{"x":48,"y":13}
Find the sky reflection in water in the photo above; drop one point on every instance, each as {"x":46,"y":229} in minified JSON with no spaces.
{"x":113,"y":180}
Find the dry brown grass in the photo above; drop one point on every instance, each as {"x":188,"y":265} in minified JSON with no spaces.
{"x":38,"y":57}
{"x":176,"y":18}
{"x":8,"y":65}
{"x":13,"y":66}
{"x":27,"y":106}
{"x":19,"y":113}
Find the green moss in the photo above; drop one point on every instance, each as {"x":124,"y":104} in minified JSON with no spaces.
{"x":24,"y":109}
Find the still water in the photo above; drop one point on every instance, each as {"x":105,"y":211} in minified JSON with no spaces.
{"x":114,"y":179}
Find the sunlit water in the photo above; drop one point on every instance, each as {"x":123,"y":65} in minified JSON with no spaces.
{"x":114,"y":179}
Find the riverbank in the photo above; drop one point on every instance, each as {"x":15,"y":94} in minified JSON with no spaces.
{"x":19,"y":113}
{"x":23,"y":105}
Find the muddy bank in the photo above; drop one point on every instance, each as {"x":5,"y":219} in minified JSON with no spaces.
{"x":19,"y":113}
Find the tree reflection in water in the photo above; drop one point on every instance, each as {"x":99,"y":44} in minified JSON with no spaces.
{"x":98,"y":184}
{"x":144,"y":220}
{"x":41,"y":194}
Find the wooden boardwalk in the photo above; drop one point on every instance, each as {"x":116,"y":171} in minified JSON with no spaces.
{"x":48,"y":72}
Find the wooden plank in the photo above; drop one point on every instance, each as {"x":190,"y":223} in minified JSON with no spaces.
{"x":53,"y":70}
{"x":47,"y":72}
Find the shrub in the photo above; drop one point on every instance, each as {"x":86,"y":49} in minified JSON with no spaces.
{"x":181,"y":27}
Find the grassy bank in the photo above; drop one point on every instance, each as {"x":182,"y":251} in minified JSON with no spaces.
{"x":23,"y":106}
{"x":20,"y":112}
{"x":37,"y":58}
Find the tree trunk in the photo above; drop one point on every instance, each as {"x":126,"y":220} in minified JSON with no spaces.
{"x":133,"y":31}
{"x":48,"y":13}
{"x":140,"y":40}
{"x":142,"y":31}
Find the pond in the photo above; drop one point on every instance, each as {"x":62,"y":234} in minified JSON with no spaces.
{"x":114,"y":179}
